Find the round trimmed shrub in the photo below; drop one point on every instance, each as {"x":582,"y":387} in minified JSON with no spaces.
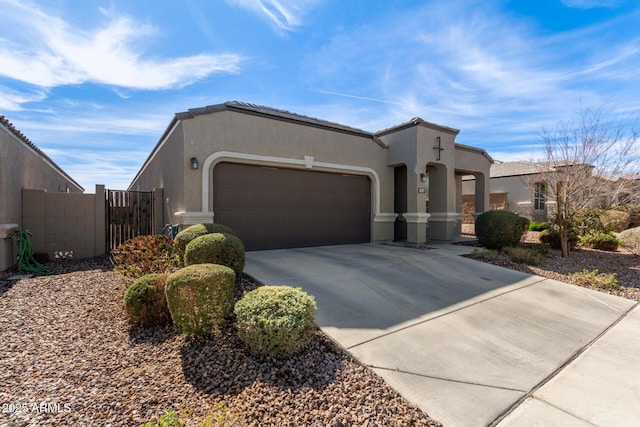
{"x":145,"y":301}
{"x":630,"y":240}
{"x":200,"y":297}
{"x":551,"y":237}
{"x":216,"y":248}
{"x":602,"y":241}
{"x":188,"y":234}
{"x":497,"y":229}
{"x":275,"y":320}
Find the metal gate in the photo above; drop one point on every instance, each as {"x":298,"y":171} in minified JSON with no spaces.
{"x":129,"y":214}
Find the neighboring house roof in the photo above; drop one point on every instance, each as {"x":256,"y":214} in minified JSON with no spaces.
{"x":26,"y":141}
{"x":505,"y":169}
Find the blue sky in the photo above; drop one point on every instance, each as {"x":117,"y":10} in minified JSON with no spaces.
{"x":95,"y":83}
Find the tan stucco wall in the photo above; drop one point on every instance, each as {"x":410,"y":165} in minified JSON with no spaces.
{"x":232,"y":136}
{"x":21,"y":167}
{"x":166,"y":170}
{"x":253,"y":139}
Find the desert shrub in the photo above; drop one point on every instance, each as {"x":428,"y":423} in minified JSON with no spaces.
{"x":538,"y":226}
{"x":630,"y":240}
{"x":614,"y":220}
{"x":496,"y":229}
{"x":170,"y":419}
{"x":144,"y":255}
{"x":596,"y":279}
{"x":522,"y":255}
{"x":145,"y":301}
{"x":275,"y":320}
{"x":216,"y":248}
{"x":188,"y":234}
{"x":602,"y":241}
{"x":541,"y":248}
{"x":484,"y":254}
{"x":200,"y":297}
{"x":588,"y":222}
{"x":551,"y":237}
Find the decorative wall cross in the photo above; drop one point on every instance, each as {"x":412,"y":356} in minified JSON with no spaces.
{"x":438,"y":147}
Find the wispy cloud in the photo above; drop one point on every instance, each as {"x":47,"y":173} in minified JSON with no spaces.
{"x":476,"y":70}
{"x":285,"y":15}
{"x":12,"y":100}
{"x":57,"y":53}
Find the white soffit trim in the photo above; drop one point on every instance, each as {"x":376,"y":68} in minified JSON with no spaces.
{"x":307,"y":162}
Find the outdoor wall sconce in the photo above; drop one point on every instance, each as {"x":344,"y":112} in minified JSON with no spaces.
{"x":194,"y":163}
{"x":423,"y":178}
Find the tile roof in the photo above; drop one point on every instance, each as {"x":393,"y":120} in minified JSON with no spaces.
{"x":18,"y":134}
{"x":273,"y":112}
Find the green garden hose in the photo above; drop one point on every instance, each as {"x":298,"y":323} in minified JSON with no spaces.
{"x":26,"y":262}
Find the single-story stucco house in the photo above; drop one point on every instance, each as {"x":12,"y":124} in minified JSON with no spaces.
{"x":525,"y":189}
{"x":23,"y":166}
{"x":283,"y":180}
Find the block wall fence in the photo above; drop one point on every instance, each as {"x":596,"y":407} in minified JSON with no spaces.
{"x":65,"y":225}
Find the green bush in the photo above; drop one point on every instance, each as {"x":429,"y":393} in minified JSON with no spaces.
{"x":145,"y":301}
{"x":188,"y":234}
{"x":523,"y":255}
{"x":275,"y":320}
{"x":484,"y":254}
{"x":497,"y":229}
{"x":630,"y":240}
{"x":551,"y":237}
{"x":541,"y":248}
{"x":538,"y":226}
{"x":170,"y":419}
{"x":596,"y":279}
{"x":602,"y":241}
{"x":200,"y":297}
{"x":144,"y":255}
{"x":588,"y":222}
{"x":216,"y":248}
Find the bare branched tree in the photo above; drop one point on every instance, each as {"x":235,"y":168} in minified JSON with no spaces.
{"x":586,"y":162}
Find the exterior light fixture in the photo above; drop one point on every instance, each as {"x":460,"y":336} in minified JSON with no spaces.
{"x":423,"y":178}
{"x":194,"y":163}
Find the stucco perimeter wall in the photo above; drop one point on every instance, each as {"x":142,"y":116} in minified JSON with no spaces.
{"x":254,"y":139}
{"x":22,"y":167}
{"x":65,"y":225}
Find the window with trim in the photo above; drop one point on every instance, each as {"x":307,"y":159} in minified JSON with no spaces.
{"x":540,"y":196}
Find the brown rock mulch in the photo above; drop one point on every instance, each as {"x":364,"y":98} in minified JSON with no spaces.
{"x":69,"y":357}
{"x":623,"y":263}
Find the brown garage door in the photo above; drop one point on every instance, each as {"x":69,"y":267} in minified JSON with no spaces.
{"x":271,"y":208}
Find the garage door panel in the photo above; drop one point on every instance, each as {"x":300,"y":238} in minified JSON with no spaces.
{"x":273,"y":208}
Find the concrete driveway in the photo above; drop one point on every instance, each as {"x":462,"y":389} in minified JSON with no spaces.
{"x":470,"y":343}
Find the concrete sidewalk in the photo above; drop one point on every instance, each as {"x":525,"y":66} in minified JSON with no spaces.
{"x":470,"y":343}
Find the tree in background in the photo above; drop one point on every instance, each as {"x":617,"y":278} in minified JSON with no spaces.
{"x":585,"y":165}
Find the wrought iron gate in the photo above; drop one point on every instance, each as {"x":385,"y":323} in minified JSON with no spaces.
{"x":129,"y":214}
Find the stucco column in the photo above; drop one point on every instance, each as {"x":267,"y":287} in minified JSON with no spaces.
{"x":416,"y":214}
{"x":482,"y":193}
{"x":100,"y":201}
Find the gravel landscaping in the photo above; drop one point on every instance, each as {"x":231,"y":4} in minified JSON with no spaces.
{"x":69,"y":357}
{"x":623,"y":263}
